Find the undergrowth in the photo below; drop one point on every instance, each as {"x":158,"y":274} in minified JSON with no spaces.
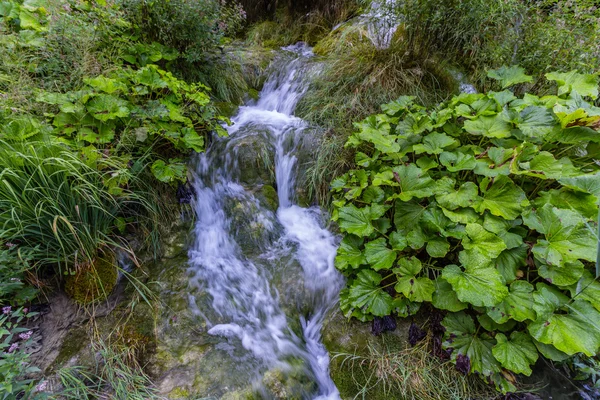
{"x":412,"y":373}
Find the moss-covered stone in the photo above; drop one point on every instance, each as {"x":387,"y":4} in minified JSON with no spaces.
{"x":347,"y":37}
{"x":344,"y":337}
{"x":226,"y":109}
{"x":94,"y":281}
{"x":267,"y":196}
{"x":255,"y":159}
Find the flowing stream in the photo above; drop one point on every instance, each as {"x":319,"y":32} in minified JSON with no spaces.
{"x":248,"y":313}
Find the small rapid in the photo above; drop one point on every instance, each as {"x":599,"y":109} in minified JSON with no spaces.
{"x":247,"y":310}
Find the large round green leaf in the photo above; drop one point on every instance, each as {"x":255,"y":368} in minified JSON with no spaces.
{"x":379,"y":255}
{"x":516,"y":354}
{"x":479,"y":285}
{"x":366,"y":293}
{"x":503,"y":199}
{"x":577,"y":331}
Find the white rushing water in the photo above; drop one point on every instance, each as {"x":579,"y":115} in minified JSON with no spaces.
{"x":381,"y":21}
{"x":247,"y":308}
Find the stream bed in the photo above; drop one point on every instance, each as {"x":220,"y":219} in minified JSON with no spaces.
{"x":257,"y":324}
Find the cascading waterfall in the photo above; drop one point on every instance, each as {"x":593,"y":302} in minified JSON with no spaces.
{"x":247,"y":310}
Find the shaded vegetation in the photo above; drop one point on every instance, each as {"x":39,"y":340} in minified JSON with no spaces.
{"x":486,"y":207}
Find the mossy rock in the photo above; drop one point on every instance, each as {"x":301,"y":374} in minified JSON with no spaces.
{"x":255,"y":159}
{"x":226,"y":109}
{"x":93,"y":282}
{"x":268,"y":197}
{"x":346,"y":38}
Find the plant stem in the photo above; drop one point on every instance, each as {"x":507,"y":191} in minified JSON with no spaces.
{"x":598,"y":252}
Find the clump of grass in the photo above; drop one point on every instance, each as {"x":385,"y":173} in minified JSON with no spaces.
{"x":331,"y":160}
{"x":354,"y":80}
{"x":115,"y":375}
{"x":53,"y":202}
{"x":411,"y":373}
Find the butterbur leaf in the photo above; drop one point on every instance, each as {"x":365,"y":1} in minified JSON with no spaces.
{"x":586,"y":288}
{"x":167,"y":173}
{"x":444,"y":297}
{"x":465,"y":196}
{"x":404,"y":307}
{"x":550,"y":352}
{"x":547,"y":299}
{"x":461,"y":215}
{"x":460,"y":336}
{"x":483,"y":242}
{"x":105,"y":107}
{"x":575,"y":332}
{"x":373,"y":194}
{"x":434,"y":143}
{"x":366,"y":292}
{"x":589,"y":183}
{"x":503,"y":199}
{"x":491,"y":127}
{"x":407,"y":214}
{"x":107,"y":85}
{"x":518,"y":305}
{"x":567,"y":237}
{"x":349,"y":253}
{"x":398,"y":106}
{"x":413,"y":182}
{"x":509,"y":76}
{"x":349,"y":310}
{"x":192,"y":140}
{"x":376,"y":130}
{"x":379,"y":255}
{"x":516,"y":354}
{"x":457,"y":161}
{"x":584,"y":203}
{"x":149,"y":76}
{"x":537,"y":122}
{"x":562,"y":275}
{"x":437,"y":247}
{"x":398,"y":241}
{"x":584,"y":84}
{"x":490,"y":325}
{"x":479,"y":283}
{"x":510,"y":260}
{"x":409,"y":266}
{"x":415,"y":289}
{"x":356,"y":220}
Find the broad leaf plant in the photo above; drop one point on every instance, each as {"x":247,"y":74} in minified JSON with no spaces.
{"x":484,"y":207}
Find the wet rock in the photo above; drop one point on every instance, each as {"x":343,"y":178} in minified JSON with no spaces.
{"x":252,"y":159}
{"x":175,"y":242}
{"x":94,"y":281}
{"x":267,"y":196}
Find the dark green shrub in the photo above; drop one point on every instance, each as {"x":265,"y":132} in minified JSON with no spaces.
{"x":192,"y":27}
{"x":484,"y":207}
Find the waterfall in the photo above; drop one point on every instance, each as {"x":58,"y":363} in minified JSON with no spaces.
{"x":246,"y":308}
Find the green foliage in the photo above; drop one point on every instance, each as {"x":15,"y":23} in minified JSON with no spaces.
{"x":27,"y":15}
{"x":540,"y":36}
{"x":14,"y":264}
{"x":61,"y":207}
{"x":115,"y":372}
{"x":141,"y":110}
{"x":485,"y":206}
{"x":191,"y":27}
{"x":15,"y":344}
